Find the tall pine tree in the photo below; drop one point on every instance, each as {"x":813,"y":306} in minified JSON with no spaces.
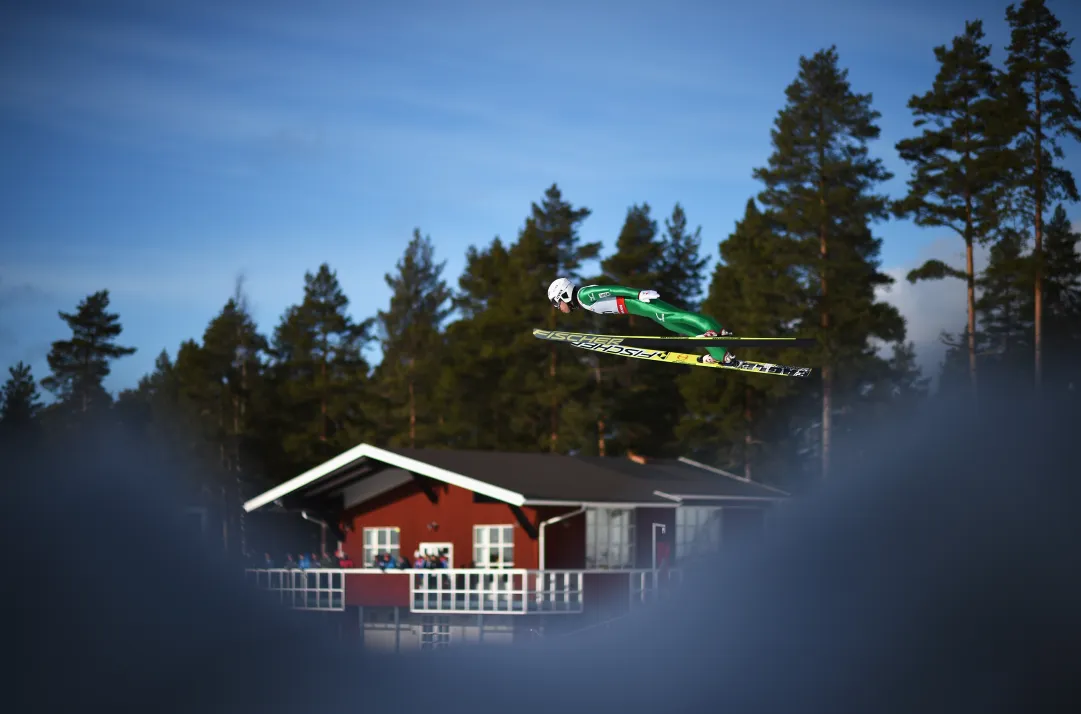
{"x":80,"y":365}
{"x":480,"y":398}
{"x":960,"y":160}
{"x":682,"y":266}
{"x":549,"y":246}
{"x":1039,"y":67}
{"x":20,"y":404}
{"x":1005,"y":307}
{"x":320,"y":374}
{"x":411,"y":334}
{"x":820,"y":190}
{"x":503,"y":376}
{"x":1062,"y":298}
{"x":232,"y":356}
{"x":630,"y":407}
{"x":737,"y":422}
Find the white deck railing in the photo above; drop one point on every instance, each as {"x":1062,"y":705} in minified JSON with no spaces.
{"x":317,"y":589}
{"x":507,"y":591}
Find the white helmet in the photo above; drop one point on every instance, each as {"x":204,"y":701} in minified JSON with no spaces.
{"x":561,"y":290}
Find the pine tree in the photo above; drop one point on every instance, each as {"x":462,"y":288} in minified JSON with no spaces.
{"x":412,"y":341}
{"x":629,"y":406}
{"x":1062,"y":298}
{"x":737,"y":422}
{"x":194,"y":399}
{"x":232,"y":353}
{"x":480,"y":398}
{"x":136,"y":406}
{"x":908,"y":384}
{"x":20,"y":403}
{"x":321,"y":376}
{"x":80,"y":365}
{"x":638,"y":407}
{"x":1005,"y":307}
{"x":549,"y":246}
{"x":637,"y":258}
{"x":819,"y":189}
{"x":232,"y":357}
{"x":1039,"y":67}
{"x":506,"y":389}
{"x":960,"y":160}
{"x":902,"y":384}
{"x":682,"y":267}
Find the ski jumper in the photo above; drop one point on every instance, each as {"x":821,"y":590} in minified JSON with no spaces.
{"x":616,"y":299}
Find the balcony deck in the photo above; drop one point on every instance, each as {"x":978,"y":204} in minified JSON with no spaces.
{"x":510,"y":591}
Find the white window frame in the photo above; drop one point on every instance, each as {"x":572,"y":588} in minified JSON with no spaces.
{"x":435,"y":549}
{"x":373,"y":548}
{"x":434,"y":632}
{"x":698,"y":530}
{"x":610,"y":538}
{"x":483,"y":546}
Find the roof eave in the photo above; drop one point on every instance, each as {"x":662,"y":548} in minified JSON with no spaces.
{"x":679,"y":498}
{"x":533,"y":502}
{"x":728,"y":474}
{"x":390,"y":458}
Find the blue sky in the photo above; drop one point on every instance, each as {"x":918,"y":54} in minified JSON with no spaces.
{"x":158,"y":152}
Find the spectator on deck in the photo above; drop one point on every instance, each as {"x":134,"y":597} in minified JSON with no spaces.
{"x":268,"y":562}
{"x":304,"y":563}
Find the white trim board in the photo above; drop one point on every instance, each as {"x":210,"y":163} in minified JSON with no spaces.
{"x":680,"y":498}
{"x":722,"y":472}
{"x":390,"y":458}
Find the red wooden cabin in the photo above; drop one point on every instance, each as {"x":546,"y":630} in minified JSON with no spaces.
{"x":529,"y":543}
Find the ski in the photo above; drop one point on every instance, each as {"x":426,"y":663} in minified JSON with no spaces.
{"x":669,"y":342}
{"x":619,"y":349}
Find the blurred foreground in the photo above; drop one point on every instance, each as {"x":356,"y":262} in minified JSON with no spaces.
{"x":936,"y":573}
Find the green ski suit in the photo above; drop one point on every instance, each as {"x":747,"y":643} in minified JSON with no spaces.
{"x":616,"y":299}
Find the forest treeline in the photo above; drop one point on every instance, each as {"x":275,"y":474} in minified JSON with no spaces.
{"x":461,"y":370}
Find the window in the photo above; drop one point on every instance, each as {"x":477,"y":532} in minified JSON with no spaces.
{"x":378,"y":541}
{"x":698,"y":530}
{"x":493,"y":546}
{"x":609,"y":538}
{"x":435,"y":632}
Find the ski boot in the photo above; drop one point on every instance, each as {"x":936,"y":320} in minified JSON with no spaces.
{"x":729,"y":358}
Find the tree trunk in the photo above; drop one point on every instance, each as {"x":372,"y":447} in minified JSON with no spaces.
{"x":241,"y":523}
{"x":323,"y":401}
{"x":970,"y":289}
{"x":600,"y":416}
{"x":827,"y":371}
{"x":412,"y":408}
{"x":748,"y":435}
{"x":554,"y":438}
{"x":970,"y":282}
{"x":1037,"y":251}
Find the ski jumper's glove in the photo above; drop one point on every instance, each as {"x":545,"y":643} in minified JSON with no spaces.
{"x":647,"y":295}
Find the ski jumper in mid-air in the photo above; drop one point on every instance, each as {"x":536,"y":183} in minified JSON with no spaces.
{"x":616,"y":299}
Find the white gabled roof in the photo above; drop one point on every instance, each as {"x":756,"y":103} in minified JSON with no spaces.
{"x":388,"y":457}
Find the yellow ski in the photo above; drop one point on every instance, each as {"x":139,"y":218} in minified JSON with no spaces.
{"x":618,"y":345}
